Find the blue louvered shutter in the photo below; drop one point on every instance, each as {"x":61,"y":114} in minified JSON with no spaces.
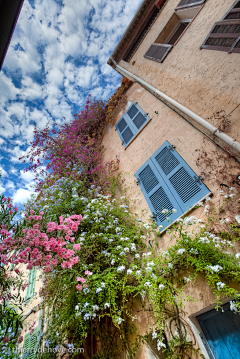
{"x":133,"y":120}
{"x":30,"y":344}
{"x":182,"y":182}
{"x":137,"y":117}
{"x":125,"y":130}
{"x":31,"y":283}
{"x":157,"y":194}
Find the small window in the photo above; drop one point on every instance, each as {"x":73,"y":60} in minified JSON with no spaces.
{"x":132,"y":122}
{"x":169,"y":184}
{"x":225,"y":35}
{"x":183,"y":15}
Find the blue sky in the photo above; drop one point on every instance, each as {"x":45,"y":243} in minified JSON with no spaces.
{"x":57,"y":56}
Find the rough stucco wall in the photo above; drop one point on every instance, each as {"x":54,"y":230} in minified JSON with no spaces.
{"x":166,"y":125}
{"x":205,"y":81}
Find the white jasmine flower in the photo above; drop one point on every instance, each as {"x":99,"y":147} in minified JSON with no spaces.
{"x":77,"y":307}
{"x":134,"y":317}
{"x":154,"y":335}
{"x":137,"y":255}
{"x":103,"y":285}
{"x":112,"y":262}
{"x":215,"y":268}
{"x":129,"y":271}
{"x":186,"y":279}
{"x":98,"y":290}
{"x":95,"y":308}
{"x":221,"y":192}
{"x":86,"y":316}
{"x":164,"y":211}
{"x":160,"y":345}
{"x":161,"y":226}
{"x":231,"y":188}
{"x":120,"y":269}
{"x":238,"y":255}
{"x":170,"y":265}
{"x":154,"y":276}
{"x":181,"y":250}
{"x":106,"y":305}
{"x":126,"y":249}
{"x":119,"y":320}
{"x":138,"y":273}
{"x":86,"y":290}
{"x":148,"y":284}
{"x":220,"y":285}
{"x":148,"y":269}
{"x":174,"y":210}
{"x":161,"y":286}
{"x":207,"y":199}
{"x":233,"y":306}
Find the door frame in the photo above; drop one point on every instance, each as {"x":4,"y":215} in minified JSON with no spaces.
{"x":197,"y":330}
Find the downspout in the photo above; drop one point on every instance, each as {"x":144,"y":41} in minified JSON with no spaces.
{"x":227,"y":139}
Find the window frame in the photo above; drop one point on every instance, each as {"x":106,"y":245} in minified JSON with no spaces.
{"x":130,"y":123}
{"x":224,"y":21}
{"x":165,"y":44}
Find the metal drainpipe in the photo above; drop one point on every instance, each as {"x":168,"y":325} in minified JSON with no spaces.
{"x":229,"y":140}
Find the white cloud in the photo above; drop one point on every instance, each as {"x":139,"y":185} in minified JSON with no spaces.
{"x":27,"y":176}
{"x":2,"y":141}
{"x":57,"y":56}
{"x":10,"y":185}
{"x":3,"y":172}
{"x":2,"y":189}
{"x":22,"y":195}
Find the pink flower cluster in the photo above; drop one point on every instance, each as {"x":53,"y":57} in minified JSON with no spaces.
{"x":37,"y":248}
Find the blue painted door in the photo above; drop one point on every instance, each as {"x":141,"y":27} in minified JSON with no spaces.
{"x":222,"y":331}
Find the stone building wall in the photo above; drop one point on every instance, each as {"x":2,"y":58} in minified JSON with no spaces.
{"x":205,"y":81}
{"x":164,"y":125}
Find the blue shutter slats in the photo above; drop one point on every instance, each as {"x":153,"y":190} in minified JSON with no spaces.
{"x":167,"y":182}
{"x":179,"y":177}
{"x":133,"y":120}
{"x":184,"y":185}
{"x":157,"y":194}
{"x":148,"y":178}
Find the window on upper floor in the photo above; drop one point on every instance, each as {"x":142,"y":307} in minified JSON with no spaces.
{"x":225,"y":34}
{"x":31,"y":283}
{"x":140,"y":35}
{"x":170,"y":186}
{"x":131,"y":123}
{"x":181,"y":18}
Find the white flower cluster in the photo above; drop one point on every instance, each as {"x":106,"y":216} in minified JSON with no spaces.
{"x":160,"y":344}
{"x":215,"y":268}
{"x":233,"y":306}
{"x":220,"y":285}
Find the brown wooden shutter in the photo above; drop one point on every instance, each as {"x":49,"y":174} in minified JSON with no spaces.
{"x":188,"y":3}
{"x":158,"y":52}
{"x":225,"y":35}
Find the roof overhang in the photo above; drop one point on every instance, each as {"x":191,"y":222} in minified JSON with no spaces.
{"x":9,"y":12}
{"x":133,"y":30}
